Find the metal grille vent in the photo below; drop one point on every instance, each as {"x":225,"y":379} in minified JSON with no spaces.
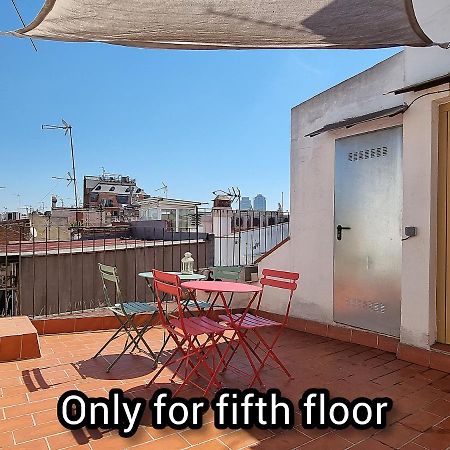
{"x":376,"y":307}
{"x":369,"y":153}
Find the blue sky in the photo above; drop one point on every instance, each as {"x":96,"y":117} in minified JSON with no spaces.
{"x":198,"y":121}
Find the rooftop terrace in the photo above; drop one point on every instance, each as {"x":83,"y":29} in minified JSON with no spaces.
{"x":29,"y":391}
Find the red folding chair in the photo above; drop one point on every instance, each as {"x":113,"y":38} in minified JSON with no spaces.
{"x":196,"y":337}
{"x":255,"y":322}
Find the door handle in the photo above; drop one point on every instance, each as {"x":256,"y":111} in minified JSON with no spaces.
{"x":339,"y":229}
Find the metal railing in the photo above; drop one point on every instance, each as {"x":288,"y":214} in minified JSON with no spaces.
{"x":241,"y":237}
{"x":43,"y":276}
{"x":54,"y":270}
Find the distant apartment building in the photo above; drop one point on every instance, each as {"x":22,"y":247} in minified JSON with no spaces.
{"x":179,"y":215}
{"x":245,"y":204}
{"x":114,"y":194}
{"x":259,"y":203}
{"x":10,"y":215}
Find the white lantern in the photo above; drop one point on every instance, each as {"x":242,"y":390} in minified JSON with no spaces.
{"x":187,"y":264}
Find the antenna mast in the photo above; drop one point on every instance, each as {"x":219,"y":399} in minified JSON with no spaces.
{"x":67,"y":129}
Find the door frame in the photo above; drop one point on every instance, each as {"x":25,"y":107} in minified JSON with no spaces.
{"x":443,"y":228}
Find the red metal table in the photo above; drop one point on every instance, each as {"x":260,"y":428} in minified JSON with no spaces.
{"x":220,"y":288}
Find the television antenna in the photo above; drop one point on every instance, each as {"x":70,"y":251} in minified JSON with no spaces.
{"x":69,"y":178}
{"x":233,"y":192}
{"x":67,"y":130}
{"x":163,"y":188}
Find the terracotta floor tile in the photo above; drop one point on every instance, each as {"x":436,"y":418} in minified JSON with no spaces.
{"x":443,"y":384}
{"x":13,"y":400}
{"x":396,"y":435}
{"x":427,"y":394}
{"x":68,"y":439}
{"x":245,"y":438}
{"x":208,"y":431}
{"x":283,"y":440}
{"x":439,"y":407}
{"x":210,"y":445}
{"x":41,"y":431}
{"x":371,"y":444}
{"x":397,"y":364}
{"x":314,"y":432}
{"x":434,"y":439}
{"x":16,"y":423}
{"x":12,"y":381}
{"x":115,"y":442}
{"x":433,"y":374}
{"x":445,"y":424}
{"x":421,"y":420}
{"x":330,"y":441}
{"x":172,"y":442}
{"x":6,"y":438}
{"x":412,"y":446}
{"x":354,"y":435}
{"x":46,"y":416}
{"x":26,"y":408}
{"x":39,"y":444}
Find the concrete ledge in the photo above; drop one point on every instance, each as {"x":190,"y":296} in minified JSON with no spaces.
{"x":93,"y":320}
{"x":18,"y":339}
{"x":89,"y":321}
{"x":438,"y":357}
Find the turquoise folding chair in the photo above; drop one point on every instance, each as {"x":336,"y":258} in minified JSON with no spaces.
{"x":126,"y":313}
{"x":225,"y":273}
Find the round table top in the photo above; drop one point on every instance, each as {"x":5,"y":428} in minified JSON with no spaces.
{"x":221,"y":286}
{"x":183,"y":276}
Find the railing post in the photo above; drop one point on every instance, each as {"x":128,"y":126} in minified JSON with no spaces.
{"x":46,"y":270}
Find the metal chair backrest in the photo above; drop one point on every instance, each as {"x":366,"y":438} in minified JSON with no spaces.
{"x":170,"y":284}
{"x":226,"y":273}
{"x":280,"y":280}
{"x":109,"y":274}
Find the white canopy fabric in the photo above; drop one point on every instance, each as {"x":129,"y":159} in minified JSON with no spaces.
{"x":220,"y":24}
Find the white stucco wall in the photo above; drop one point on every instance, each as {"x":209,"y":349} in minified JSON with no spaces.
{"x":275,"y":300}
{"x":310,"y":250}
{"x":420,"y":141}
{"x":312,"y":177}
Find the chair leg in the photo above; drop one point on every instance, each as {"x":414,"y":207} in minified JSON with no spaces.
{"x":270,"y":353}
{"x":217,"y":370}
{"x":140,"y":337}
{"x":201,"y":361}
{"x":252,"y":350}
{"x":143,"y":330}
{"x":114,"y":336}
{"x":119,"y":356}
{"x":242,"y":341}
{"x":179,"y":343}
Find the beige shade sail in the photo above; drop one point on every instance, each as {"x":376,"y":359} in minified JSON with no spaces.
{"x":219,"y":24}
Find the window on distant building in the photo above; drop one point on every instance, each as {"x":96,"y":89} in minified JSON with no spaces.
{"x":122,"y":199}
{"x":185,"y":216}
{"x":93,"y":197}
{"x":170,"y":216}
{"x":150,"y":214}
{"x":112,"y":188}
